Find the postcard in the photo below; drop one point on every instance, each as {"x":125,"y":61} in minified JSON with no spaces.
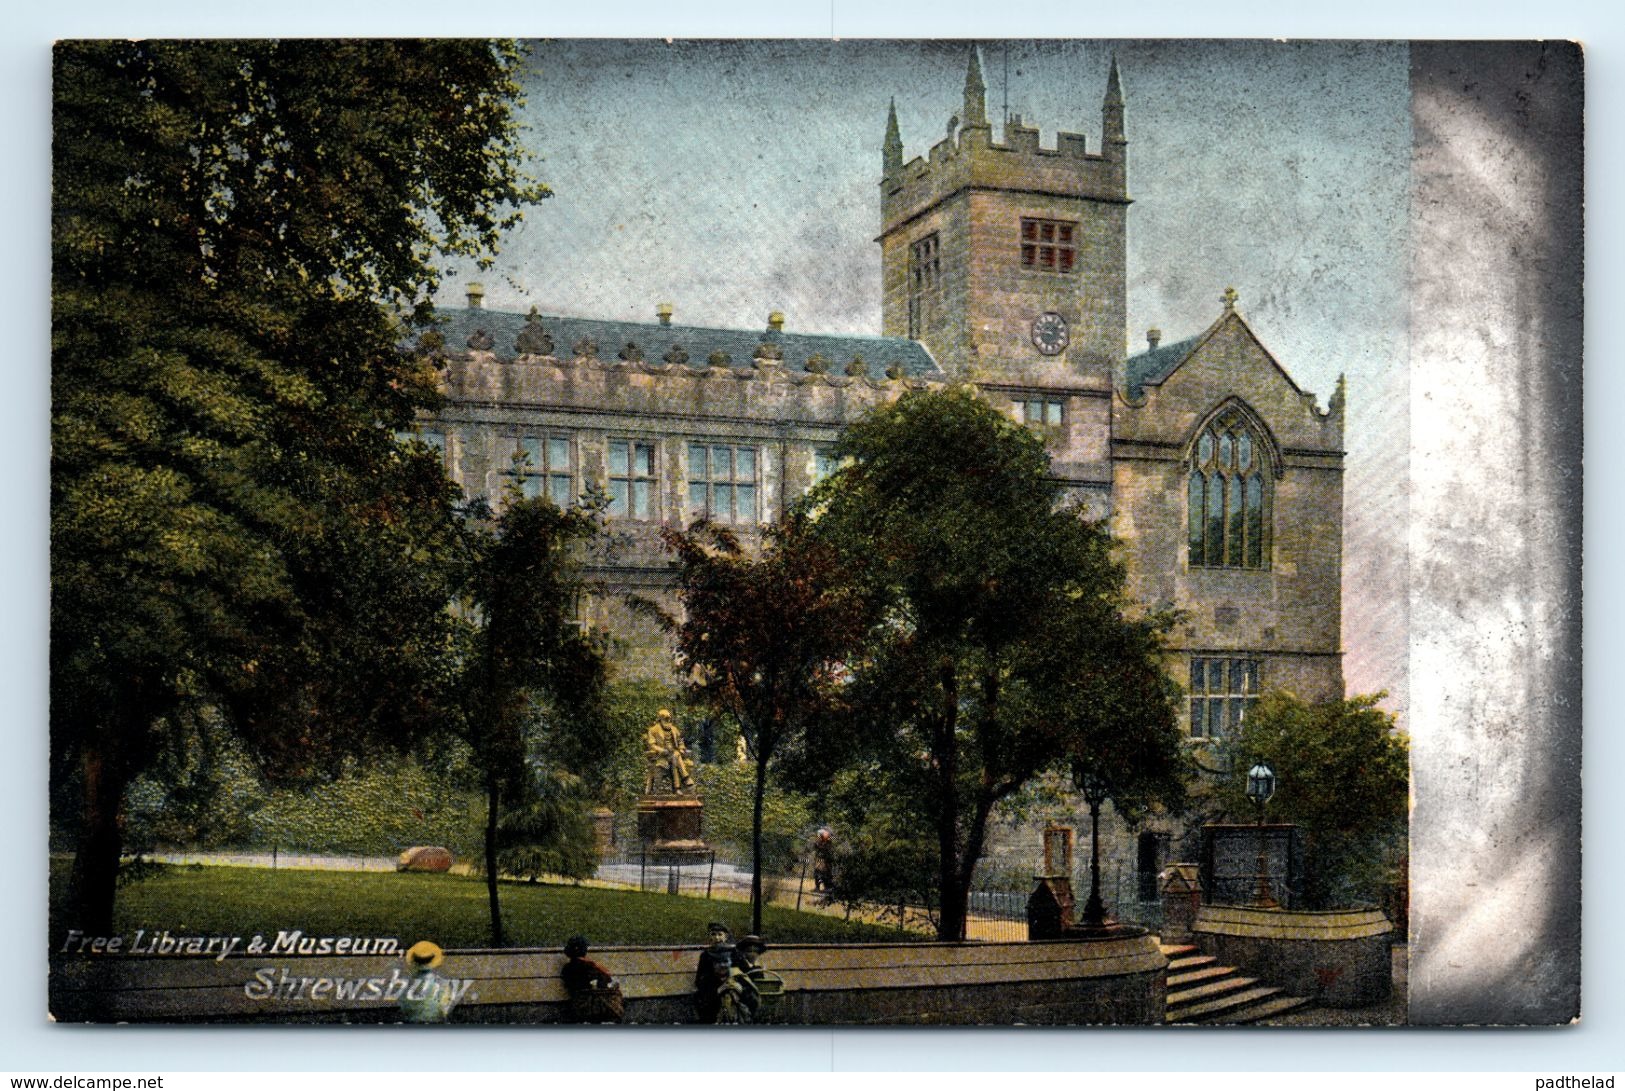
{"x":968,"y":532}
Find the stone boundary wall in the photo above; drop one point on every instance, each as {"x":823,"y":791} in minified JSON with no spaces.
{"x":1338,"y":959}
{"x":1118,"y":981}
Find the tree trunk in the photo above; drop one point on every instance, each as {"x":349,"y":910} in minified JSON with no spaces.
{"x":953,"y":892}
{"x":756,"y":841}
{"x":94,"y":881}
{"x":493,"y":799}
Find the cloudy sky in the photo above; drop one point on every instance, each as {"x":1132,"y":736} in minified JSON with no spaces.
{"x":735,"y":178}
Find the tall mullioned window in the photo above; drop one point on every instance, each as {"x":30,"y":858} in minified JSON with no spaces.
{"x":1050,"y":245}
{"x":540,"y":465}
{"x":722,"y":482}
{"x":1222,"y":694}
{"x":631,"y":479}
{"x":1226,"y":502}
{"x":924,"y":275}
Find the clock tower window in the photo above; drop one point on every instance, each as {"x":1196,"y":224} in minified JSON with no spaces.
{"x":1049,"y":245}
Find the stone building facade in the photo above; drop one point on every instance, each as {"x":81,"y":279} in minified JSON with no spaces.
{"x":1004,"y":266}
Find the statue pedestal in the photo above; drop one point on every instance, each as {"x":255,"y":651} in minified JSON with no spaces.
{"x":669,"y":830}
{"x":670,"y":823}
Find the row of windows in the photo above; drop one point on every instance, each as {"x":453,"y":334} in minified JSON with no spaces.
{"x":723,"y":479}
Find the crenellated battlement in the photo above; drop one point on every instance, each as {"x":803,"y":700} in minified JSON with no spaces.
{"x":972,"y":159}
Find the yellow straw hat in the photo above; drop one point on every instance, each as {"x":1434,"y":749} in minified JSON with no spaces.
{"x":424,"y":955}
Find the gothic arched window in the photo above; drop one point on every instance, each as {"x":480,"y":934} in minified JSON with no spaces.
{"x":1229,"y":519}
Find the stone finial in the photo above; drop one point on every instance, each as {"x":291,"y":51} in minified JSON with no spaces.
{"x":891,"y":155}
{"x":533,"y":340}
{"x":818,"y":364}
{"x":767,"y":350}
{"x":975,"y":92}
{"x":894,"y":370}
{"x":631,"y":353}
{"x":719,"y":359}
{"x":480,"y":341}
{"x":1339,"y":397}
{"x":663,"y":311}
{"x":857,"y":367}
{"x":1153,"y":337}
{"x":1229,"y":300}
{"x":676,"y":355}
{"x":585,"y":348}
{"x":775,"y":322}
{"x":476,"y":296}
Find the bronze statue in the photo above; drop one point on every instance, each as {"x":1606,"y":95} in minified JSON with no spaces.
{"x":666,"y":756}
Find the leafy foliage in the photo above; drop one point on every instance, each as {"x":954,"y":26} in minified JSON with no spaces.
{"x":1342,"y":775}
{"x":764,"y":640}
{"x":728,"y":788}
{"x":997,"y":644}
{"x":530,"y":690}
{"x":236,"y":228}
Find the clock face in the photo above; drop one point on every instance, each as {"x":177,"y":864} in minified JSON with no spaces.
{"x":1049,"y":333}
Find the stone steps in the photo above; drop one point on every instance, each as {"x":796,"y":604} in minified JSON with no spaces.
{"x":1202,"y":991}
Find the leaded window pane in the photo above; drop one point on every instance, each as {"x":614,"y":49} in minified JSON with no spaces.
{"x":1197,"y":490}
{"x":620,"y":457}
{"x":697,"y":462}
{"x":746,"y":463}
{"x":1244,"y":451}
{"x":1197,"y":705}
{"x":641,"y":491}
{"x":745,"y":497}
{"x":1225,"y":452}
{"x":1052,"y":412}
{"x":1255,"y":521}
{"x":696,"y":497}
{"x":722,"y":462}
{"x":1204,"y":448}
{"x":558,"y":489}
{"x":643,"y":459}
{"x":1233,"y":555}
{"x":618,"y":489}
{"x":1215,"y":521}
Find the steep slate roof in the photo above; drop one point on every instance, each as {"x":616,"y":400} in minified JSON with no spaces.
{"x":1151,"y":367}
{"x":698,"y":341}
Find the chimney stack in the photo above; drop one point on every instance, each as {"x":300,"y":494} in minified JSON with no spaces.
{"x":775,"y":321}
{"x":476,"y":296}
{"x":1153,"y":337}
{"x":663,"y":312}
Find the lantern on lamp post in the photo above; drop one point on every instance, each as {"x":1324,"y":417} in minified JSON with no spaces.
{"x":1094,"y":793}
{"x":1260,"y":788}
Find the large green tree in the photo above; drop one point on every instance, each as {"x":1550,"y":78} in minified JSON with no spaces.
{"x":1342,"y":776}
{"x":764,"y":640}
{"x":1001,"y":642}
{"x":530,"y":691}
{"x":238,"y":230}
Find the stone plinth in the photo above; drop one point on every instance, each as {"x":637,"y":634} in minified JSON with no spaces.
{"x":1337,"y":958}
{"x":1181,"y":901}
{"x":671,"y":826}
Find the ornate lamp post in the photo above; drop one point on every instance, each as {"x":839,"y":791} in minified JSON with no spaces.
{"x":1260,"y":787}
{"x":1094,"y":793}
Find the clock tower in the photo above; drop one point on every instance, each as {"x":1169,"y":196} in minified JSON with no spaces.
{"x":1007,"y":259}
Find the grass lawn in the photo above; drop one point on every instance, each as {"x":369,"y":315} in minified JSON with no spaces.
{"x":449,"y":909}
